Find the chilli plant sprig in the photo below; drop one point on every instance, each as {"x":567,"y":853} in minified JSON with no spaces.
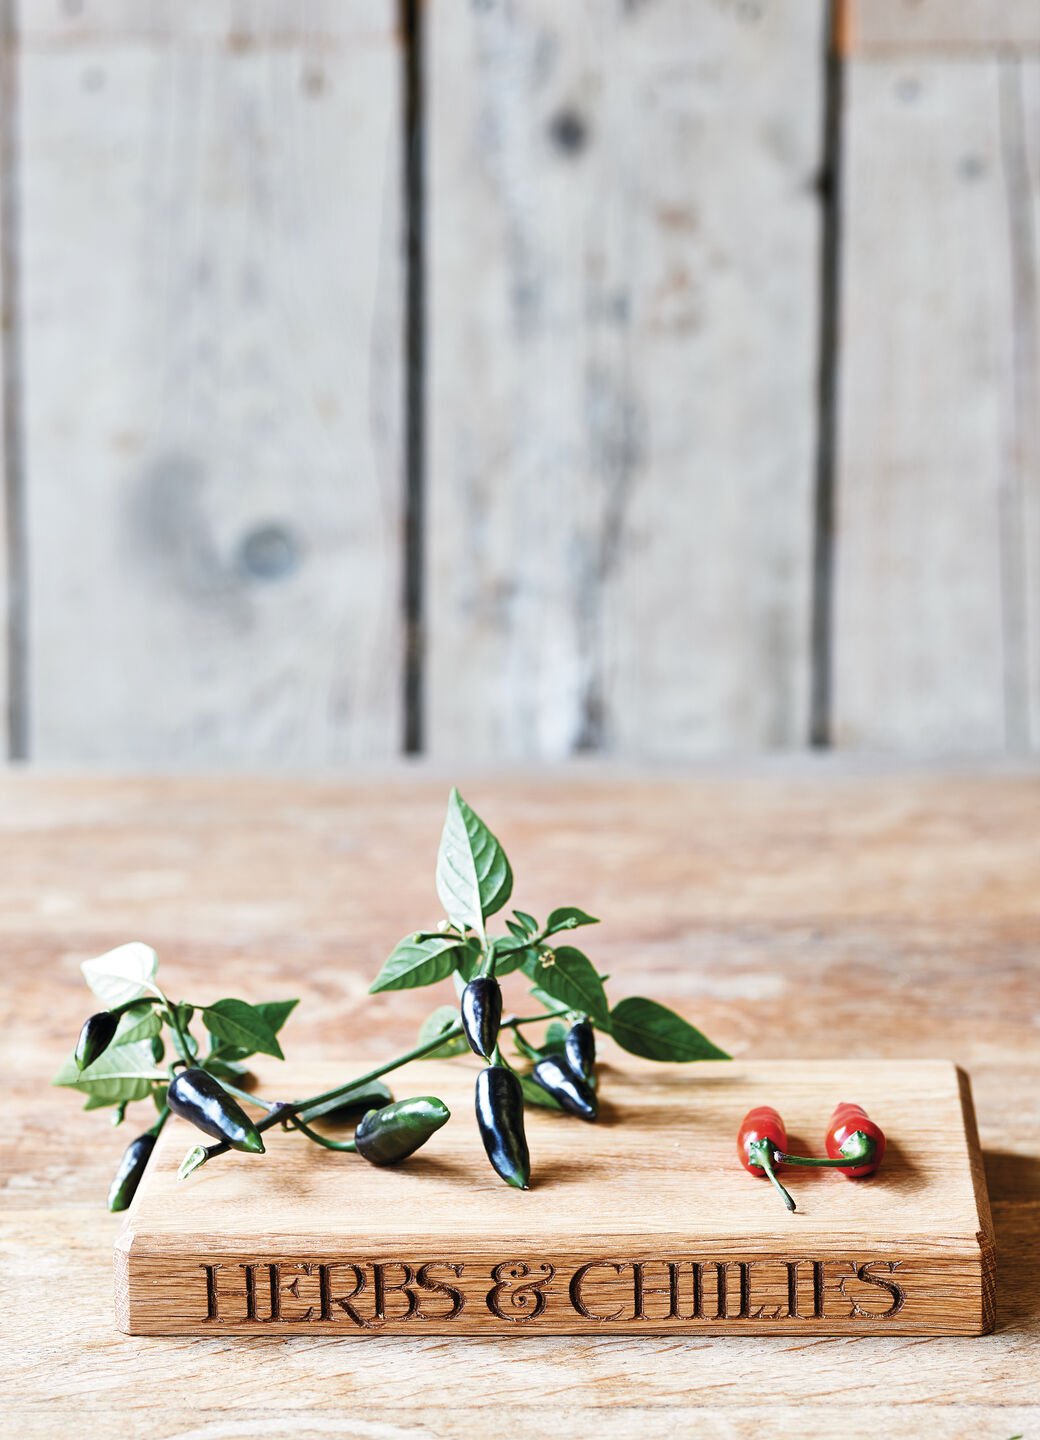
{"x":143,"y":1046}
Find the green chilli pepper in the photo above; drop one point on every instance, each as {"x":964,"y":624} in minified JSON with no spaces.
{"x":131,"y":1168}
{"x":396,"y":1131}
{"x":194,"y":1095}
{"x":95,"y":1037}
{"x":500,"y":1119}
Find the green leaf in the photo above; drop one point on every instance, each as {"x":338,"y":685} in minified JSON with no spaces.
{"x":417,"y":962}
{"x":351,"y":1104}
{"x":529,"y":923}
{"x":643,"y":1027}
{"x":535,"y":1095}
{"x":99,"y":1102}
{"x":138,"y":1024}
{"x":555,"y":1042}
{"x":568,"y":917}
{"x":241,"y":1024}
{"x":509,"y":954}
{"x":570,"y":977}
{"x":442,"y":1019}
{"x":121,"y":974}
{"x":468,"y":959}
{"x":518,"y":932}
{"x":123,"y":1072}
{"x":224,"y":1069}
{"x":276,"y":1012}
{"x":474,"y":878}
{"x":544,"y":998}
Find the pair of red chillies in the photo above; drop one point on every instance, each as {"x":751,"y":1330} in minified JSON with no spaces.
{"x":855,"y":1145}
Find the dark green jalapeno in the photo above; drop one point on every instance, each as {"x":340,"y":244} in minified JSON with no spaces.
{"x":194,"y":1095}
{"x":95,"y":1037}
{"x":570,"y":1091}
{"x":351,"y":1105}
{"x":481,"y":1007}
{"x":131,"y":1168}
{"x":580,"y":1048}
{"x":396,"y":1131}
{"x":500,"y":1119}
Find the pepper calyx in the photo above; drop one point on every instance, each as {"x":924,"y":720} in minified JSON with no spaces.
{"x":859,"y":1148}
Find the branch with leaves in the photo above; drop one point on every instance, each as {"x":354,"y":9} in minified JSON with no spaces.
{"x":143,"y":1047}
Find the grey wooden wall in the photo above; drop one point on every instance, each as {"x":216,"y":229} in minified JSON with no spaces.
{"x":508,"y":379}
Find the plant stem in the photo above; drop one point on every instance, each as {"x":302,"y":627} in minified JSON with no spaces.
{"x":297,"y":1124}
{"x":164,"y":1115}
{"x":245,"y":1095}
{"x":279,"y":1111}
{"x":181,"y":1040}
{"x":862,"y":1154}
{"x":764,"y":1157}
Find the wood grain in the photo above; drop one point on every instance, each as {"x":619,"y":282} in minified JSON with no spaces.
{"x":938,"y":26}
{"x":811,"y":914}
{"x":644,"y":1223}
{"x":938,"y":580}
{"x":212,"y":303}
{"x":622,"y":352}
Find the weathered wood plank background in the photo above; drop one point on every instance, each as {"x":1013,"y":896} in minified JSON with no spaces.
{"x":698,"y":380}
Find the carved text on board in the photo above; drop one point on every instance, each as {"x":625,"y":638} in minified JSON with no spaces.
{"x":370,"y":1294}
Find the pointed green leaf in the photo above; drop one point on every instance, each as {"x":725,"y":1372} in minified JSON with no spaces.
{"x":138,"y":1024}
{"x":528,"y":922}
{"x":223,"y":1069}
{"x":276,"y":1012}
{"x":535,"y":1095}
{"x":417,"y":962}
{"x":569,"y":976}
{"x":99,"y":1102}
{"x":509,"y":954}
{"x":121,"y":974}
{"x":643,"y":1027}
{"x":236,"y":1022}
{"x":443,"y":1018}
{"x":568,"y":917}
{"x":123,"y":1072}
{"x":474,"y":879}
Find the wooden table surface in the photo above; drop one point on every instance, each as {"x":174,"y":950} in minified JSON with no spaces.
{"x":816,"y":914}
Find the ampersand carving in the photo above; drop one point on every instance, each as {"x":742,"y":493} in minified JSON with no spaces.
{"x":523,"y":1297}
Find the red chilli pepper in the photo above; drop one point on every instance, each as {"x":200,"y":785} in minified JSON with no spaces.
{"x":855,"y":1145}
{"x":854,"y":1136}
{"x":761,"y":1140}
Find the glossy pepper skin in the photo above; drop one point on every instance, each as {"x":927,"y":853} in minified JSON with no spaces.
{"x":131,"y":1168}
{"x":396,"y":1131}
{"x":762,"y":1135}
{"x":500,"y":1119}
{"x":762,"y":1125}
{"x":481,"y":1007}
{"x":580,"y":1048}
{"x":95,"y":1037}
{"x":853,"y":1135}
{"x":194,"y":1095}
{"x":570,"y":1091}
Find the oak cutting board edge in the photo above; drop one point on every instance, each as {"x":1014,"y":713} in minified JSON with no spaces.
{"x":656,"y":1185}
